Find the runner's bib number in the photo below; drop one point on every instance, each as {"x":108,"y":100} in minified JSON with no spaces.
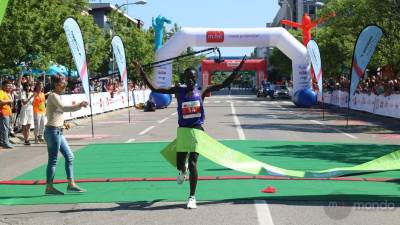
{"x":191,"y":109}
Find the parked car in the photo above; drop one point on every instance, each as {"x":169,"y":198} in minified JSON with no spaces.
{"x":281,"y":91}
{"x":266,"y":90}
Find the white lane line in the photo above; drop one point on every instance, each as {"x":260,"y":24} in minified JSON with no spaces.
{"x":264,"y":216}
{"x":344,"y":133}
{"x":146,"y":130}
{"x":173,"y":114}
{"x":130,"y":140}
{"x":317,"y":122}
{"x":237,"y":123}
{"x":250,"y":101}
{"x":217,"y":101}
{"x":163,"y":120}
{"x":205,"y":102}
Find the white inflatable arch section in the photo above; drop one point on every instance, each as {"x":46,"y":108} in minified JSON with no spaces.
{"x":236,"y":37}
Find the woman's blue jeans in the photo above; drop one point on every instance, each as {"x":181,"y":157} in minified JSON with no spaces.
{"x":57,"y":142}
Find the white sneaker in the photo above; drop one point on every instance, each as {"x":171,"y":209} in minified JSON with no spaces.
{"x":191,"y":203}
{"x":181,"y":177}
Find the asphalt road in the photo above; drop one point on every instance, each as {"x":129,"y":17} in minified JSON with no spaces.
{"x":236,"y":116}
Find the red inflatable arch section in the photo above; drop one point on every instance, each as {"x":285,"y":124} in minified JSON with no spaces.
{"x":209,"y":66}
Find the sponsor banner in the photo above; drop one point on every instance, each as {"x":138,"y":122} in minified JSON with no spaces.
{"x":301,"y":77}
{"x":75,"y":42}
{"x":215,"y":36}
{"x":363,"y":51}
{"x":102,"y":102}
{"x":387,"y":106}
{"x":313,"y":53}
{"x":381,"y":105}
{"x":119,"y":53}
{"x":163,"y":76}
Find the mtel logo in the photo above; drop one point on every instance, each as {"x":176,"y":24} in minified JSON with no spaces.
{"x":215,"y":36}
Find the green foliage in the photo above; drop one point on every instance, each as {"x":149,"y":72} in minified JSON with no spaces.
{"x":35,"y":28}
{"x":279,"y":64}
{"x":179,"y":66}
{"x":337,"y":37}
{"x":138,"y":44}
{"x":32,"y":32}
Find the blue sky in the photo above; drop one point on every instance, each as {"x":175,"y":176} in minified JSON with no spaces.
{"x":207,"y":13}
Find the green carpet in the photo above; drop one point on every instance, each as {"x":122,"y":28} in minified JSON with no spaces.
{"x":144,"y":160}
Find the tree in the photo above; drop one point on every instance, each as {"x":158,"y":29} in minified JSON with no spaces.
{"x":280,"y":64}
{"x":32,"y":32}
{"x":138,"y":43}
{"x":338,"y":36}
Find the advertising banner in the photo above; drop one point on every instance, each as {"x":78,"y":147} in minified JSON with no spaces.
{"x":363,"y":51}
{"x":75,"y":42}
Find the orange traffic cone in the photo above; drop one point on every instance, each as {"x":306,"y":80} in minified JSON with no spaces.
{"x":269,"y":189}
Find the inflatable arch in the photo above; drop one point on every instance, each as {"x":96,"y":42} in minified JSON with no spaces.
{"x":242,"y":37}
{"x":209,"y":66}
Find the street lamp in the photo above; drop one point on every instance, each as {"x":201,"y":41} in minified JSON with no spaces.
{"x":141,"y":2}
{"x":117,"y":8}
{"x":317,"y":4}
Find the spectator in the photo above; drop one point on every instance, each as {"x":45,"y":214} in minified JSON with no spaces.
{"x":55,"y":139}
{"x":5,"y":113}
{"x":26,"y":111}
{"x":15,"y":125}
{"x":39,"y":111}
{"x":47,"y":86}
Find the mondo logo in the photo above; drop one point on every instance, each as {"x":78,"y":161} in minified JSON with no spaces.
{"x":215,"y":36}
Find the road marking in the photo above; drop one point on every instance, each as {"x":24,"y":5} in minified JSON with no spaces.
{"x":205,"y":102}
{"x":130,"y":140}
{"x":173,"y":114}
{"x":348,"y":135}
{"x":163,"y":120}
{"x":263,"y":213}
{"x":237,"y":123}
{"x":317,"y":122}
{"x":146,"y":130}
{"x":250,"y":101}
{"x":217,"y":101}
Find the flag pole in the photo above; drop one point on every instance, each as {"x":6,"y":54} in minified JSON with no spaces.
{"x":90,"y":94}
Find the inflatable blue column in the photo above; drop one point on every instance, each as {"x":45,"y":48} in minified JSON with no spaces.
{"x":161,"y":100}
{"x":158,"y":26}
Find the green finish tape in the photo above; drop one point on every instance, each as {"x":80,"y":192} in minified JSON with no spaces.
{"x":194,"y":140}
{"x":3,"y":6}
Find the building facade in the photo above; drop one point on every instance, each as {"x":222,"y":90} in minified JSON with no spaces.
{"x":294,"y":10}
{"x":101,"y":12}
